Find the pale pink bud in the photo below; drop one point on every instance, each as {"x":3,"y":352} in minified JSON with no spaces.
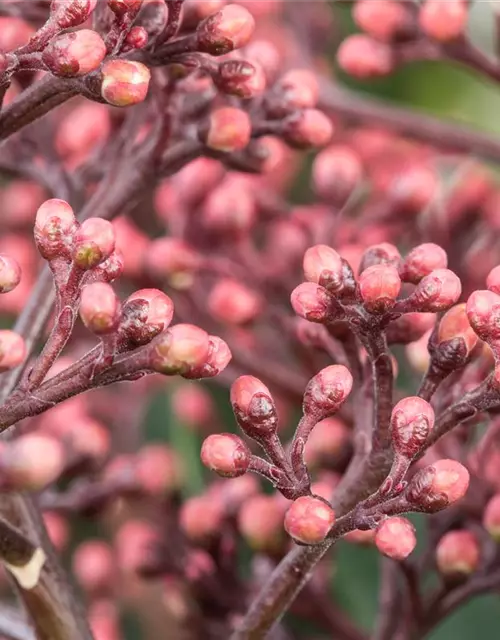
{"x":483,"y":312}
{"x":181,"y":348}
{"x":455,"y":325}
{"x":491,"y":517}
{"x":395,"y":538}
{"x":329,"y":439}
{"x":32,"y":462}
{"x":193,"y":405}
{"x":410,"y":327}
{"x":71,"y":13}
{"x":323,"y":265}
{"x":421,"y":261}
{"x":10,"y":274}
{"x":94,"y":566}
{"x":438,"y":485}
{"x":226,"y":454}
{"x":12,"y":350}
{"x":173,"y":259}
{"x":57,"y":529}
{"x":240,"y":78}
{"x":75,"y":53}
{"x":443,"y":21}
{"x":309,"y":128}
{"x":438,"y":291}
{"x":493,"y":280}
{"x":383,"y":253}
{"x":457,"y":553}
{"x":14,"y":33}
{"x":124,"y":82}
{"x":336,"y":172}
{"x":233,"y":303}
{"x":260,"y":522}
{"x":311,"y":302}
{"x":309,"y":519}
{"x":363,"y":57}
{"x":379,"y":287}
{"x":146,"y":313}
{"x":93,"y":243}
{"x":201,"y":518}
{"x":300,"y":88}
{"x":229,"y":129}
{"x":55,"y":224}
{"x":219,"y":356}
{"x":411,"y":421}
{"x":327,"y":391}
{"x":253,"y":407}
{"x":100,"y":308}
{"x":229,"y":29}
{"x":158,"y":470}
{"x":384,"y":20}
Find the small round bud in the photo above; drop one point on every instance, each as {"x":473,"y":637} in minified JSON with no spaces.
{"x":228,"y":29}
{"x":457,"y":554}
{"x":75,"y":53}
{"x":233,"y":303}
{"x":483,"y":312}
{"x":10,"y":274}
{"x":260,"y":522}
{"x":363,"y":57}
{"x":493,"y":280}
{"x":146,"y":313}
{"x":55,"y":224}
{"x":94,"y":566}
{"x":173,"y":259}
{"x":410,"y":327}
{"x":395,"y":538}
{"x":71,"y":13}
{"x":384,"y":20}
{"x":253,"y":407}
{"x":336,"y":172}
{"x":323,"y":265}
{"x":158,"y":470}
{"x":137,"y":38}
{"x":438,"y":291}
{"x":93,"y":243}
{"x":219,"y":356}
{"x":229,"y":129}
{"x":124,"y":82}
{"x":455,"y":326}
{"x":181,"y":348}
{"x":201,"y":518}
{"x":193,"y":406}
{"x":383,"y":253}
{"x":241,"y":79}
{"x":421,"y":261}
{"x":12,"y":350}
{"x":443,"y":21}
{"x":311,"y":302}
{"x":379,"y":287}
{"x":122,"y":7}
{"x":300,"y":88}
{"x":226,"y":454}
{"x":31,"y":462}
{"x":411,"y":421}
{"x":491,"y":517}
{"x":100,"y":308}
{"x":327,"y":391}
{"x":328,"y":440}
{"x":309,"y":519}
{"x":435,"y":487}
{"x":309,"y":128}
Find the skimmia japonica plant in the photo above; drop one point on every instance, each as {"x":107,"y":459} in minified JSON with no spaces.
{"x":147,"y":150}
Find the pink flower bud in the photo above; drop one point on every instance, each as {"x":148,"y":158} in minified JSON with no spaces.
{"x":309,"y":128}
{"x":311,"y":302}
{"x":201,"y":519}
{"x":14,"y":33}
{"x":137,"y":38}
{"x":100,"y":308}
{"x":55,"y":224}
{"x":121,"y":7}
{"x":323,"y":265}
{"x":124,"y":82}
{"x":327,"y":391}
{"x":329,"y":439}
{"x":146,"y":313}
{"x":421,"y":261}
{"x":158,"y":470}
{"x":12,"y":350}
{"x":300,"y":88}
{"x":384,"y":20}
{"x":94,"y":566}
{"x":438,"y":291}
{"x":438,"y":485}
{"x":455,"y":325}
{"x":336,"y":172}
{"x":233,"y":303}
{"x":226,"y":454}
{"x":240,"y":78}
{"x":491,"y":517}
{"x":229,"y":129}
{"x":230,"y":208}
{"x":410,"y":327}
{"x":411,"y":421}
{"x":383,"y":253}
{"x":457,"y":553}
{"x":443,"y":21}
{"x":93,"y":243}
{"x":260,"y":522}
{"x":111,"y":269}
{"x":173,"y":259}
{"x":229,"y":29}
{"x":57,"y":529}
{"x":75,"y":53}
{"x":31,"y":462}
{"x":182,"y":348}
{"x":493,"y":280}
{"x":395,"y":538}
{"x":71,"y":13}
{"x":363,"y":57}
{"x":193,"y":406}
{"x":253,"y":407}
{"x":10,"y":274}
{"x":379,"y":287}
{"x":309,"y":519}
{"x":483,"y":312}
